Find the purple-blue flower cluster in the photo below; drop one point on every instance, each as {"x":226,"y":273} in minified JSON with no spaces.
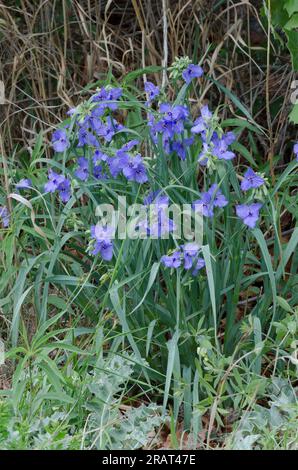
{"x":102,"y":154}
{"x":157,"y":223}
{"x":187,"y":254}
{"x":82,"y":171}
{"x":214,"y":145}
{"x":217,"y":147}
{"x":107,"y":98}
{"x":92,"y":125}
{"x":93,"y":129}
{"x":102,"y":239}
{"x":170,"y":125}
{"x":131,"y":166}
{"x":210,"y":199}
{"x":58,"y":183}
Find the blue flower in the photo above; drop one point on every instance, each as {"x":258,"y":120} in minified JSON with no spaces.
{"x":94,"y":121}
{"x":296,"y":150}
{"x":217,"y":147}
{"x":229,"y":138}
{"x":100,"y":95}
{"x":160,"y":224}
{"x":192,"y":71}
{"x":152,"y":91}
{"x":204,"y":205}
{"x":171,"y":112}
{"x":108,"y":130}
{"x":166,"y":143}
{"x":134,"y":169}
{"x":200,"y":263}
{"x":249,"y":213}
{"x":60,"y":140}
{"x":180,"y":147}
{"x":24,"y":183}
{"x":190,"y":251}
{"x":156,"y":197}
{"x":115,"y":93}
{"x":99,"y":156}
{"x":64,"y":190}
{"x":82,"y":172}
{"x":218,"y":199}
{"x":163,"y":224}
{"x":98,"y":172}
{"x":251,"y":180}
{"x":220,"y":148}
{"x":54,"y":180}
{"x":210,"y":199}
{"x":107,"y":97}
{"x":103,"y":243}
{"x":115,"y":166}
{"x":102,"y":232}
{"x":105,"y":248}
{"x":4,"y":216}
{"x":172,"y":261}
{"x":203,"y":122}
{"x":86,"y":137}
{"x":58,"y":183}
{"x":126,"y":148}
{"x":203,"y":156}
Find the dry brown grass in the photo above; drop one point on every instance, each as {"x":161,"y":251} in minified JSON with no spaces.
{"x":50,"y":50}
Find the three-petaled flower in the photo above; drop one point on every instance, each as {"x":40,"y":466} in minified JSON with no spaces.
{"x":251,"y":180}
{"x":249,"y":213}
{"x":192,"y":71}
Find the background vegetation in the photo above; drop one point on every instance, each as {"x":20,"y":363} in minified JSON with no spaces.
{"x":76,"y":374}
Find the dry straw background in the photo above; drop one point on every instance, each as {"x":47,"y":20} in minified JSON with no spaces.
{"x":50,"y":50}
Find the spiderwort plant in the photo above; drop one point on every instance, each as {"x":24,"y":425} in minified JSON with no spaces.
{"x":157,"y":153}
{"x":95,"y":135}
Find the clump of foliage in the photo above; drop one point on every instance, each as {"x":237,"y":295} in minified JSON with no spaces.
{"x":72,"y":401}
{"x":270,"y":428}
{"x":202,"y":320}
